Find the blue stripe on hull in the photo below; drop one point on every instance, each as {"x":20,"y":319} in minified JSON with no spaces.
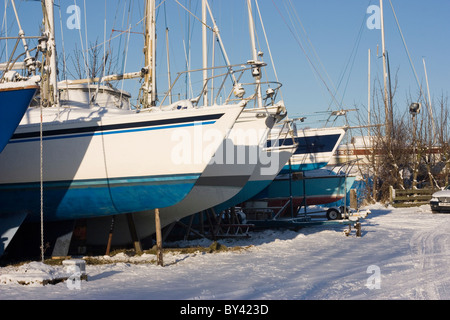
{"x":104,"y":133}
{"x":13,"y":104}
{"x":319,"y":186}
{"x":302,"y":167}
{"x":94,"y":198}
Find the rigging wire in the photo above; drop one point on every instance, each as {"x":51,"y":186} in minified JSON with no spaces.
{"x":297,"y":39}
{"x":62,"y":44}
{"x":294,"y":11}
{"x":353,"y":53}
{"x":267,"y":41}
{"x":409,"y":56}
{"x":5,"y":25}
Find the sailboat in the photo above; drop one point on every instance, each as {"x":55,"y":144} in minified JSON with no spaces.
{"x":15,"y":97}
{"x":101,"y":160}
{"x":238,"y":157}
{"x":16,"y":92}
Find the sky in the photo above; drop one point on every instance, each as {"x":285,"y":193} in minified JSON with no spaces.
{"x":319,"y":48}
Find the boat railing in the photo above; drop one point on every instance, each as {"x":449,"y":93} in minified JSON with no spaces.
{"x":344,"y":168}
{"x":12,"y":63}
{"x":238,"y":91}
{"x":287,"y":132}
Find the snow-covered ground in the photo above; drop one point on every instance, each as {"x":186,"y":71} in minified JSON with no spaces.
{"x":402,"y":254}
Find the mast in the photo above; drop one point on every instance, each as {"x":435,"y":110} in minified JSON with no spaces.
{"x":51,"y":51}
{"x":169,"y":79}
{"x":368,"y":95}
{"x":256,"y":70}
{"x":29,"y":60}
{"x":386,"y":103}
{"x":205,"y":53}
{"x":429,"y":101}
{"x":216,"y":31}
{"x":149,"y":85}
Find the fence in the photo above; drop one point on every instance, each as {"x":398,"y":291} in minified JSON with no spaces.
{"x":400,"y":198}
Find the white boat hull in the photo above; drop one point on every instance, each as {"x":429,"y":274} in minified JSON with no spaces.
{"x":100,"y":161}
{"x":223,"y":178}
{"x":315,"y":149}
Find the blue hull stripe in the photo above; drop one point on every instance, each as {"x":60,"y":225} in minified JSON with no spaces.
{"x":113,"y":132}
{"x":302,"y":167}
{"x":312,"y":186}
{"x":120,"y":126}
{"x":65,"y":200}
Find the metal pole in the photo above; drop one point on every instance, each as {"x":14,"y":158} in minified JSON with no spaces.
{"x":368,"y":97}
{"x":429,"y":99}
{"x":149,"y":54}
{"x":205,"y":53}
{"x":28,"y":60}
{"x":168,"y":64}
{"x":256,"y":70}
{"x":51,"y":47}
{"x":386,"y":109}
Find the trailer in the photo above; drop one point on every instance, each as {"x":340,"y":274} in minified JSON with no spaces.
{"x":264,"y":217}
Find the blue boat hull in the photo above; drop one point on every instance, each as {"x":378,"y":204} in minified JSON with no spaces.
{"x":320,"y":143}
{"x":306,"y":191}
{"x":13,"y":104}
{"x":79,"y":199}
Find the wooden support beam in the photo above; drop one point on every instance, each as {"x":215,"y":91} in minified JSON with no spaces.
{"x":133,"y":233}
{"x":159,"y":253}
{"x":111,"y":229}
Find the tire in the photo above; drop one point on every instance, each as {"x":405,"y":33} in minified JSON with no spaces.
{"x":333,"y":214}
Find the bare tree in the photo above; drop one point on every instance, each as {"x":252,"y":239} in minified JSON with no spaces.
{"x":92,"y":65}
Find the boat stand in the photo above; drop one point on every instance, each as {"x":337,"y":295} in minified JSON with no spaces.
{"x":298,"y":220}
{"x":207,"y":224}
{"x":302,"y":222}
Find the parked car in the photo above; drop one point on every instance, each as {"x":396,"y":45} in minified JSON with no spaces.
{"x":440,"y":200}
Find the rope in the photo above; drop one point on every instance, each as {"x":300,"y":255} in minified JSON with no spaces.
{"x":350,"y":60}
{"x":41,"y":182}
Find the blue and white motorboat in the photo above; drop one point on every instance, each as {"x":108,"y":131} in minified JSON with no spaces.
{"x":313,"y":187}
{"x":315,"y":148}
{"x":310,"y":149}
